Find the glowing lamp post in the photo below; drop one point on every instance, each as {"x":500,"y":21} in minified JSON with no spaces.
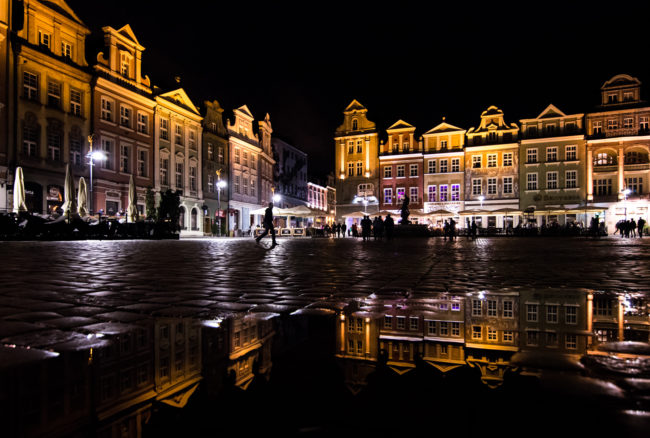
{"x":220,"y":185}
{"x":625,"y":193}
{"x":93,"y":156}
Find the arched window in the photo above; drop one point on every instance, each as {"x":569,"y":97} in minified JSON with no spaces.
{"x":355,"y":124}
{"x":181,"y":218}
{"x":603,"y":159}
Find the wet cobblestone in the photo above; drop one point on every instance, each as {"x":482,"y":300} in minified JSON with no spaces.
{"x":62,"y":285}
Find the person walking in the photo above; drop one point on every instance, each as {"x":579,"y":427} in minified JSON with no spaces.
{"x":452,"y":229}
{"x":366,"y":225}
{"x":445,"y":229}
{"x":640,"y":224}
{"x":632,"y":227}
{"x":343,"y":228}
{"x":268,"y":226}
{"x":474,"y":229}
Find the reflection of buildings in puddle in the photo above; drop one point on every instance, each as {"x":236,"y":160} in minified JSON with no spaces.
{"x":479,"y":330}
{"x":237,"y":351}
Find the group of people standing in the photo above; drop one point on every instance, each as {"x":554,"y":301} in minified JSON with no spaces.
{"x":376,"y":228}
{"x":629,"y":227}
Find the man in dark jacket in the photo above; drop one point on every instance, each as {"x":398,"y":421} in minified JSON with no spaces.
{"x":268,"y":225}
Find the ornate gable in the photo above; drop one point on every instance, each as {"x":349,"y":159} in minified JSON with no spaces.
{"x":180,"y":98}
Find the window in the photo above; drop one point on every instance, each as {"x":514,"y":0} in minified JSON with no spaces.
{"x":210,"y":151}
{"x":125,"y":62}
{"x":612,"y":124}
{"x":491,"y":334}
{"x":444,"y":328}
{"x":597,"y":127}
{"x":401,"y":322}
{"x":551,"y":154}
{"x":551,"y":313}
{"x":191,"y":143}
{"x":551,"y":180}
{"x":532,"y":337}
{"x":603,"y":187}
{"x":44,"y":39}
{"x":30,"y":86}
{"x":413,"y":170}
{"x":508,"y":309}
{"x":507,"y":159}
{"x":531,"y":312}
{"x":628,"y":122}
{"x":405,"y":146}
{"x":508,"y":336}
{"x":443,"y":193}
{"x":237,"y":155}
{"x":413,"y":194}
{"x":388,"y":196}
{"x":443,"y":166}
{"x":571,"y":152}
{"x":603,"y":159}
{"x":107,"y":149}
{"x":476,"y":308}
{"x":492,"y":160}
{"x":635,"y":184}
{"x":432,"y":166}
{"x":400,"y":194}
{"x":476,"y":161}
{"x":477,"y":332}
{"x":54,"y":94}
{"x":75,"y":150}
{"x":431,"y":328}
{"x":180,"y":183}
{"x":571,"y":314}
{"x":612,"y":98}
{"x":388,"y":322}
{"x":643,"y":123}
{"x":455,"y":307}
{"x":245,"y":186}
{"x":220,"y":156}
{"x":236,"y":183}
{"x":455,"y":192}
{"x":125,"y":158}
{"x":125,"y":116}
{"x":491,"y":308}
{"x":245,"y":158}
{"x":355,"y":124}
{"x":455,"y":164}
{"x":164,"y":171}
{"x":359,"y":146}
{"x":142,"y":163}
{"x":252,"y":185}
{"x":443,"y":144}
{"x":388,"y":171}
{"x":531,"y":181}
{"x":54,"y":144}
{"x":571,"y":179}
{"x":192,"y":178}
{"x":350,"y":166}
{"x":492,"y":186}
{"x":143,"y":123}
{"x":400,"y":171}
{"x":455,"y":328}
{"x":531,"y":155}
{"x":551,"y":339}
{"x":30,"y":139}
{"x":350,"y":147}
{"x":164,"y":129}
{"x":66,"y":49}
{"x":628,"y":96}
{"x":570,"y":342}
{"x":75,"y":102}
{"x":413,"y":323}
{"x":432,"y":193}
{"x":359,"y":168}
{"x":178,"y":135}
{"x":507,"y":185}
{"x":477,"y":188}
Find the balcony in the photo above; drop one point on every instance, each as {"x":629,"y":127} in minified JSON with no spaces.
{"x":605,"y":167}
{"x":637,"y":166}
{"x":621,"y":132}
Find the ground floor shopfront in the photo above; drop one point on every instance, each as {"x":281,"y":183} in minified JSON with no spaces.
{"x":241,"y":220}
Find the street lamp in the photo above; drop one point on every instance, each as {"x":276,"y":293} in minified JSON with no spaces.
{"x":93,"y":156}
{"x":220,"y":185}
{"x":625,"y":193}
{"x":481,"y":198}
{"x":274,"y":197}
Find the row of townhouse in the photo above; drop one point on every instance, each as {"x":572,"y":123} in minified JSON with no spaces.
{"x":56,"y":109}
{"x":549,"y":168}
{"x":484,"y":330}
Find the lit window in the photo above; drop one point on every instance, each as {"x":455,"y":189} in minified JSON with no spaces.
{"x":492,"y":160}
{"x":531,"y":181}
{"x":507,"y":159}
{"x":551,"y":154}
{"x":531,"y":155}
{"x":388,"y":171}
{"x":571,"y":153}
{"x":571,"y":179}
{"x":455,"y":164}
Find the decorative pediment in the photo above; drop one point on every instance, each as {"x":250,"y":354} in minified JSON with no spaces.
{"x":355,"y":106}
{"x":127,"y":33}
{"x":244,"y":109}
{"x":621,"y":80}
{"x":180,"y":97}
{"x":551,"y":111}
{"x":63,"y":6}
{"x":444,"y":127}
{"x":400,"y":124}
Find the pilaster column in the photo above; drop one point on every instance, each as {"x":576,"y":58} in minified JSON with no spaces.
{"x":590,"y":175}
{"x":621,"y":172}
{"x":590,"y":318}
{"x":367,"y":321}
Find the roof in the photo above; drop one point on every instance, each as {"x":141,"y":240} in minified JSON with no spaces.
{"x":551,"y":111}
{"x":621,"y":81}
{"x":401,"y":124}
{"x":443,"y":127}
{"x":355,"y":106}
{"x":62,"y":8}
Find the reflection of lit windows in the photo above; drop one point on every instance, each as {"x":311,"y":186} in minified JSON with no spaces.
{"x":476,"y":308}
{"x":455,"y":328}
{"x":431,"y":328}
{"x":443,"y":193}
{"x":571,"y":315}
{"x":455,"y":307}
{"x":491,"y":308}
{"x":388,"y":196}
{"x":491,"y":334}
{"x":444,"y":306}
{"x":508,"y":309}
{"x":477,"y":332}
{"x":508,"y":336}
{"x":551,"y":313}
{"x":388,"y":322}
{"x":531,"y":312}
{"x":401,"y":322}
{"x":551,"y":339}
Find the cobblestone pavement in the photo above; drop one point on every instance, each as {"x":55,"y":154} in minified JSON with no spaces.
{"x":67,"y":284}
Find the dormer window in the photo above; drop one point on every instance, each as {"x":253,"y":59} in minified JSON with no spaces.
{"x":612,"y":98}
{"x":44,"y":38}
{"x":443,"y":144}
{"x":628,"y":96}
{"x":125,"y":64}
{"x":66,"y":50}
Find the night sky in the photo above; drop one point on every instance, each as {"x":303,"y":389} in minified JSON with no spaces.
{"x":304,"y":62}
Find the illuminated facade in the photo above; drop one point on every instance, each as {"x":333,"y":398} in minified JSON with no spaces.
{"x":245,"y":173}
{"x":444,"y":168}
{"x":178,"y":149}
{"x":317,"y":197}
{"x":267,"y":163}
{"x":356,"y":162}
{"x":400,"y":169}
{"x":291,"y":169}
{"x":122,"y":124}
{"x":618,"y":147}
{"x":51,"y":116}
{"x":215,"y":167}
{"x":492,"y":168}
{"x":551,"y":166}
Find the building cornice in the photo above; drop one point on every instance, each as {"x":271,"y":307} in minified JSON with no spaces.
{"x":493,"y":147}
{"x":551,"y":139}
{"x":399,"y":157}
{"x":619,"y":139}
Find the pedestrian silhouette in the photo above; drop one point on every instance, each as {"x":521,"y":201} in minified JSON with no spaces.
{"x":389,"y":226}
{"x":268,"y":225}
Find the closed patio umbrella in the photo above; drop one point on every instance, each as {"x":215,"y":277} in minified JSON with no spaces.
{"x":69,"y":204}
{"x":132,"y":210}
{"x":82,"y":198}
{"x":19,"y":191}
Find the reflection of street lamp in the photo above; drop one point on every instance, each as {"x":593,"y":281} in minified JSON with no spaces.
{"x":220,"y":185}
{"x":93,"y":156}
{"x":481,"y":198}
